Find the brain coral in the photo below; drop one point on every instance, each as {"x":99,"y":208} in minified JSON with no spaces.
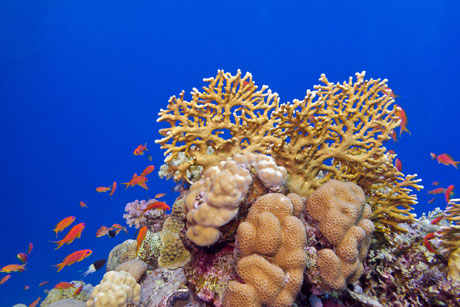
{"x":343,"y":218}
{"x":271,"y":243}
{"x":336,"y":131}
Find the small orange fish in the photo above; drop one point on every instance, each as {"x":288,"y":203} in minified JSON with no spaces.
{"x":35,"y":303}
{"x":148,"y":170}
{"x":449,"y":192}
{"x":22,"y":257}
{"x":426,"y":242}
{"x":140,"y":149}
{"x":78,"y":290}
{"x":74,"y":257}
{"x":137,"y":180}
{"x":83,"y":204}
{"x":436,"y":191}
{"x":43,"y":283}
{"x":403,"y":117}
{"x":393,"y":135}
{"x":431,"y":200}
{"x":437,"y":220}
{"x":114,"y":187}
{"x":13,"y":268}
{"x":74,"y":233}
{"x":102,"y":231}
{"x":102,"y":189}
{"x":156,"y":205}
{"x":31,"y":247}
{"x":445,"y":159}
{"x":398,"y":164}
{"x":160,"y":195}
{"x":26,"y":287}
{"x":435,"y":183}
{"x":140,"y":237}
{"x":119,"y":227}
{"x":5,"y":279}
{"x":391,"y":152}
{"x":63,"y":224}
{"x":64,"y":285}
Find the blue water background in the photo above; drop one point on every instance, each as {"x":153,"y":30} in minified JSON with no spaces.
{"x":81,"y":83}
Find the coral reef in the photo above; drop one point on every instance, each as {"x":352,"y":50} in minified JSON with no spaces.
{"x":214,"y":200}
{"x":55,"y":295}
{"x":343,"y":219}
{"x":209,"y":272}
{"x":136,"y":268}
{"x":67,"y":303}
{"x":159,"y":285}
{"x":115,"y":289}
{"x":337,"y":131}
{"x":135,"y":215}
{"x":272,"y":263}
{"x":123,"y":252}
{"x":449,"y":236}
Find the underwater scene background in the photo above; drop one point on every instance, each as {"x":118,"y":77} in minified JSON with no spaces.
{"x":82,"y":83}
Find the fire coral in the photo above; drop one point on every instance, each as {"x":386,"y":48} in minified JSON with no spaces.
{"x":336,"y":132}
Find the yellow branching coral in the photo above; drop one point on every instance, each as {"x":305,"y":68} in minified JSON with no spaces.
{"x":450,"y":238}
{"x":336,"y":132}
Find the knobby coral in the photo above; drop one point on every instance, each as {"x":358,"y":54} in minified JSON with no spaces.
{"x":450,"y":238}
{"x":271,"y":243}
{"x":336,"y":132}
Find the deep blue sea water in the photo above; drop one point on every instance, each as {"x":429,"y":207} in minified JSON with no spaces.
{"x":81,"y":83}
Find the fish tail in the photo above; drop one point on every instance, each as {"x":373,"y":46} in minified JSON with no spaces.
{"x":59,"y":244}
{"x":455,"y":164}
{"x":60,"y":266}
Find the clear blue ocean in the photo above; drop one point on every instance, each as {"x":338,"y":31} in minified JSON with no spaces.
{"x":82,"y":82}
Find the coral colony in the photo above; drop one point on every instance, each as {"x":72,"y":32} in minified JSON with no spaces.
{"x":283,"y":204}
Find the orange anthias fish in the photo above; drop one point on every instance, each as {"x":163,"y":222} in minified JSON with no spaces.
{"x":436,"y":191}
{"x":22,"y":257}
{"x":83,"y":204}
{"x":5,"y":279}
{"x":445,"y":159}
{"x":102,"y":189}
{"x":114,"y":187}
{"x":140,"y":237}
{"x":403,"y":117}
{"x":156,"y":205}
{"x":13,"y":268}
{"x":426,"y":242}
{"x":31,"y":247}
{"x":393,"y":135}
{"x":449,"y":192}
{"x":74,"y":257}
{"x":43,"y":283}
{"x":160,"y":195}
{"x":35,"y":303}
{"x":102,"y":231}
{"x":390,"y":92}
{"x":63,"y":224}
{"x":74,"y":233}
{"x":431,"y":200}
{"x":148,"y":170}
{"x":140,"y":149}
{"x":137,"y":180}
{"x":398,"y":164}
{"x":119,"y":227}
{"x":26,"y":287}
{"x":64,"y":285}
{"x":78,"y":290}
{"x":435,"y":183}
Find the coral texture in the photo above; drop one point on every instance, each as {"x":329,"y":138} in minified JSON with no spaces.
{"x":121,"y":253}
{"x":336,"y":132}
{"x":343,"y":218}
{"x":135,"y":215}
{"x":214,"y":200}
{"x":136,"y":268}
{"x":116,"y":289}
{"x":55,"y":294}
{"x":271,"y":244}
{"x":449,"y":236}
